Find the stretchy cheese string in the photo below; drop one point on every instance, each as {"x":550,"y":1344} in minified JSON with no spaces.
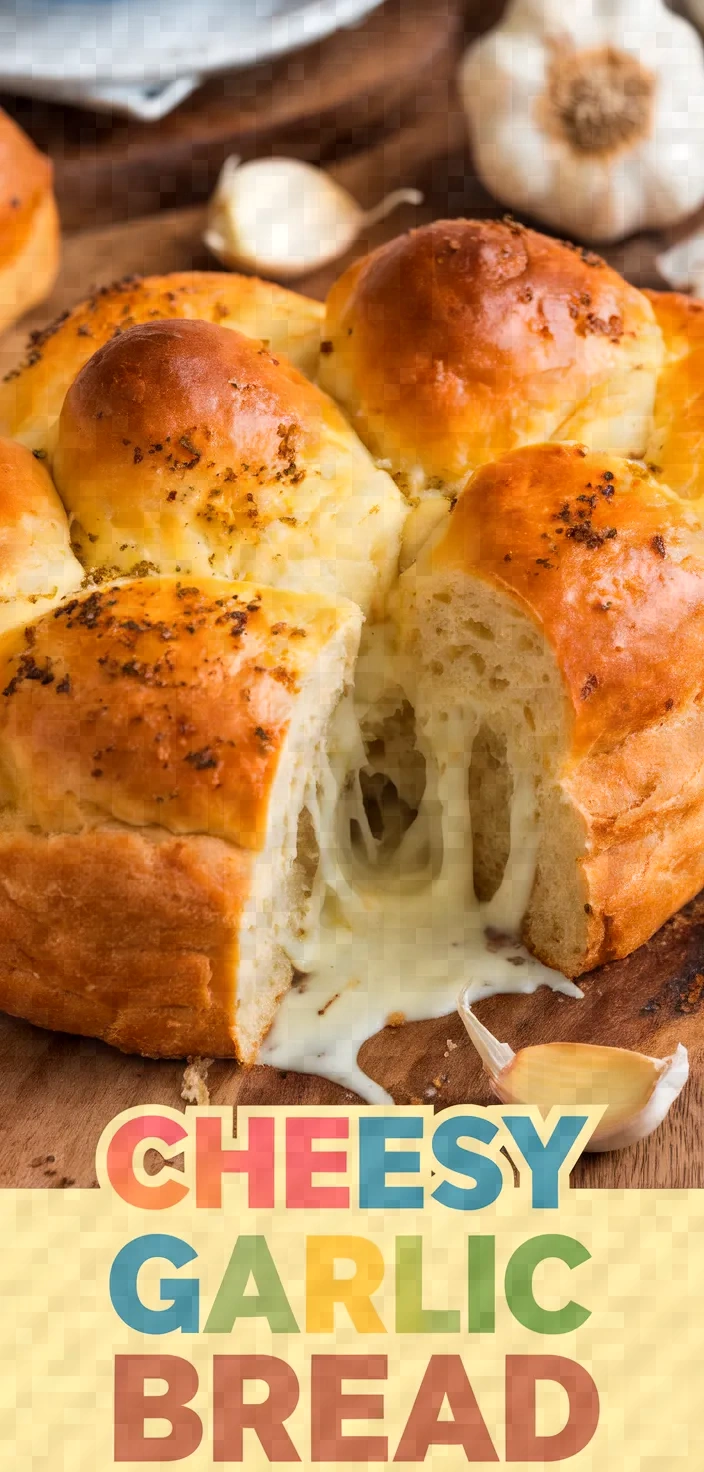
{"x":401,"y":936}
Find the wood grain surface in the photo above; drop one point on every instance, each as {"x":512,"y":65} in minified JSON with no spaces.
{"x":57,"y":1092}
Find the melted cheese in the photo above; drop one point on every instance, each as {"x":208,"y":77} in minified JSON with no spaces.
{"x":400,"y":937}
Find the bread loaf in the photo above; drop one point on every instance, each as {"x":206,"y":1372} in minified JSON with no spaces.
{"x":204,"y":787}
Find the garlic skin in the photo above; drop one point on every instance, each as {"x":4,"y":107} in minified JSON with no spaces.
{"x":682,"y":266}
{"x":638,"y":1091}
{"x":589,"y":117}
{"x":285,"y":218}
{"x":695,"y":8}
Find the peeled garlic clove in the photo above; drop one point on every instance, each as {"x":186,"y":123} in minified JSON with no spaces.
{"x":284,"y":218}
{"x":637,"y":1090}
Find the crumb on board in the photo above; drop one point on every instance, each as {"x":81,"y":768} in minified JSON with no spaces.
{"x":395,"y":1019}
{"x":194,"y":1088}
{"x":690,"y":992}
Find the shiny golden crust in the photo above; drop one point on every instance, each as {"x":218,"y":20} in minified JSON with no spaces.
{"x":29,"y":226}
{"x":33,"y":393}
{"x":194,"y":449}
{"x":464,"y":339}
{"x":129,"y":936}
{"x":157,"y":701}
{"x":609,"y":564}
{"x":608,"y":568}
{"x":675,"y":448}
{"x":642,"y":805}
{"x":178,"y":428}
{"x":37,"y":566}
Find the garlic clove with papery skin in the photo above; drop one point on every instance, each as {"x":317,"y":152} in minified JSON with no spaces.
{"x":284,"y":218}
{"x":638,"y":1091}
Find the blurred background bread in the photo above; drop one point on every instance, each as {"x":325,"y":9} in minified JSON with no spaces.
{"x":29,"y":224}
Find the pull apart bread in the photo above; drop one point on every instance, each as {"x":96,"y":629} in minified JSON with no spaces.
{"x":265,"y":668}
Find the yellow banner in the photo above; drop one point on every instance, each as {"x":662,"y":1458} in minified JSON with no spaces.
{"x":344,"y":1337}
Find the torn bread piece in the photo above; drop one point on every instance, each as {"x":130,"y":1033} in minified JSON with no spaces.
{"x":159,"y":741}
{"x":561,"y":606}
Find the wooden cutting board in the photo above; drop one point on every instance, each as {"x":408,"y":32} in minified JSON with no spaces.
{"x":57,"y":1092}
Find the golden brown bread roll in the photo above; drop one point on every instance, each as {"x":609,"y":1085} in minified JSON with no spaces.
{"x":195,"y":450}
{"x":29,"y":224}
{"x":32,"y":394}
{"x":464,"y":339}
{"x":158,"y":739}
{"x":37,"y":566}
{"x":562,"y":603}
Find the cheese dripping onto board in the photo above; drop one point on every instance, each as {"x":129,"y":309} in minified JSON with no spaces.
{"x":392,"y":927}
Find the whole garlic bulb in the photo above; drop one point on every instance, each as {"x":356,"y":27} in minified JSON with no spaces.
{"x":589,"y":116}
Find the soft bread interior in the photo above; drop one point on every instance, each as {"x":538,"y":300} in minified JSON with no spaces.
{"x":280,"y":900}
{"x":432,"y":799}
{"x":472,"y":649}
